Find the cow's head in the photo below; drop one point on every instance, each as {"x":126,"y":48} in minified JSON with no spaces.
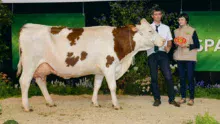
{"x":147,"y":36}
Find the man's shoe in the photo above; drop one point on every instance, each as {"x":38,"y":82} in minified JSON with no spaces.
{"x":182,"y":101}
{"x":191,"y":102}
{"x":174,"y":103}
{"x":157,"y":102}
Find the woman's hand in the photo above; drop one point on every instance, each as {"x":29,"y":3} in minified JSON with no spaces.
{"x":182,"y":45}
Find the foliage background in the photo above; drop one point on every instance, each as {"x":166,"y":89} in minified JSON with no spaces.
{"x":5,"y":22}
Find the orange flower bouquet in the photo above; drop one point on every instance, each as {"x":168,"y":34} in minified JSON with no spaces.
{"x":180,"y":40}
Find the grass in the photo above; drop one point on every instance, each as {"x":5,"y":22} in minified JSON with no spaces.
{"x":205,"y":119}
{"x":213,"y":93}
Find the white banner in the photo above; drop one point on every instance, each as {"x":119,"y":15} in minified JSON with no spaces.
{"x":55,"y":1}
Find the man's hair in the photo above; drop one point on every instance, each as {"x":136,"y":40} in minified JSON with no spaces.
{"x":156,"y":9}
{"x":184,"y":15}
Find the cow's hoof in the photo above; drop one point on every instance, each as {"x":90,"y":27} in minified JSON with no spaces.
{"x":51,"y":105}
{"x":28,"y":110}
{"x":96,"y":105}
{"x":116,"y":107}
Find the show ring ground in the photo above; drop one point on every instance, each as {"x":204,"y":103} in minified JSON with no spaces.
{"x":78,"y":110}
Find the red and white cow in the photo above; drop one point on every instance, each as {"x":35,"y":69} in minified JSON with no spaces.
{"x":74,"y":52}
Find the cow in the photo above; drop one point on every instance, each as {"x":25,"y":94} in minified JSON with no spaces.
{"x":104,"y":51}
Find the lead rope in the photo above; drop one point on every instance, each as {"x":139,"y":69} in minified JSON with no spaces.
{"x":130,"y":40}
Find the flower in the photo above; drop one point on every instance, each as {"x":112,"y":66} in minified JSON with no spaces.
{"x":135,"y":68}
{"x":16,"y":86}
{"x":148,"y":88}
{"x":200,"y":84}
{"x":216,"y":86}
{"x":180,"y":40}
{"x":172,"y":66}
{"x":148,"y":79}
{"x":176,"y":88}
{"x":175,"y":65}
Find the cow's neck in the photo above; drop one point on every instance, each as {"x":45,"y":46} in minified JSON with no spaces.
{"x":125,"y":63}
{"x":124,"y":42}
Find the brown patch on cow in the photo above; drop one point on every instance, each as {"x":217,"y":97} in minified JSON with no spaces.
{"x":56,"y":30}
{"x":69,"y":54}
{"x":74,"y":35}
{"x":83,"y":55}
{"x":123,"y":39}
{"x":71,"y":60}
{"x":110,"y":60}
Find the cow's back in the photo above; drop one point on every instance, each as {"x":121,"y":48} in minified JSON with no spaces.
{"x":77,"y":51}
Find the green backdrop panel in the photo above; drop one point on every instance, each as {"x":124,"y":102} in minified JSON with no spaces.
{"x":207,"y":25}
{"x":70,"y":20}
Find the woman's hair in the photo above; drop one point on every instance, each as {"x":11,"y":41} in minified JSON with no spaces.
{"x":184,"y":15}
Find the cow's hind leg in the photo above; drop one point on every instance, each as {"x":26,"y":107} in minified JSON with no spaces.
{"x":97,"y":85}
{"x":25,"y":81}
{"x":43,"y":87}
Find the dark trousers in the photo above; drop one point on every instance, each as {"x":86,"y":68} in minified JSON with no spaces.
{"x":188,"y":66}
{"x":160,"y":59}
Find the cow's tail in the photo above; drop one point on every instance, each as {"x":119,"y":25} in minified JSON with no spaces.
{"x":19,"y":66}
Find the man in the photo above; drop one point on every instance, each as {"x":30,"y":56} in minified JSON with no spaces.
{"x":158,"y":57}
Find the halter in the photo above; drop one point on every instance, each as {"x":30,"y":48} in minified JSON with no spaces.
{"x":153,"y":38}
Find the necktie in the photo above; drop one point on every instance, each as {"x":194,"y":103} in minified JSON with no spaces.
{"x":156,"y":48}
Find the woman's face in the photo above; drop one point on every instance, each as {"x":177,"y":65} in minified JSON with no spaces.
{"x":182,"y":21}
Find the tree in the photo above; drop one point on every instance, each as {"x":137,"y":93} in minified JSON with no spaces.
{"x":124,"y":13}
{"x":5,"y":22}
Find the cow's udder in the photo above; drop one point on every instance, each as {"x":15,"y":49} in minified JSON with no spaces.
{"x":45,"y":69}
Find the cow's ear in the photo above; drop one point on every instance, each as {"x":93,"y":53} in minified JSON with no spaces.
{"x":144,"y":21}
{"x":134,"y":29}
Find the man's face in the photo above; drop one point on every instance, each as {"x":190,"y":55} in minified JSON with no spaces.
{"x":157,"y":16}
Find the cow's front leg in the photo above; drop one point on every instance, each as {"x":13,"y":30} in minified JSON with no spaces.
{"x":110,"y":77}
{"x":97,"y":85}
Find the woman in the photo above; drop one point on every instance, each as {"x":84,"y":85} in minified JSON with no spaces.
{"x":186,"y":56}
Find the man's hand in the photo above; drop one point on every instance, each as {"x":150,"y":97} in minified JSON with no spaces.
{"x":168,"y":46}
{"x":166,"y":49}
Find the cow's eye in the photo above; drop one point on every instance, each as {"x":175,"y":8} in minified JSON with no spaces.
{"x":150,"y":31}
